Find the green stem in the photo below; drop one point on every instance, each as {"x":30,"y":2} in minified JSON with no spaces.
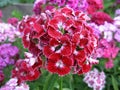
{"x":61,"y":81}
{"x":71,"y":82}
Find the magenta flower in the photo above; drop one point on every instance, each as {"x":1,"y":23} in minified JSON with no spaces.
{"x":109,"y":64}
{"x":13,"y":21}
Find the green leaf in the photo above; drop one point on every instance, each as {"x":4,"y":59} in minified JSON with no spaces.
{"x":50,"y":82}
{"x":17,"y":14}
{"x":115,"y":84}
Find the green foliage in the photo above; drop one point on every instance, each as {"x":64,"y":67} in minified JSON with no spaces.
{"x":7,"y":72}
{"x":110,"y":6}
{"x":7,"y":2}
{"x":114,"y":82}
{"x":19,"y":44}
{"x":50,"y":82}
{"x":17,"y":14}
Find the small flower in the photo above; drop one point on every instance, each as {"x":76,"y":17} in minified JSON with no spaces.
{"x":62,"y":46}
{"x":95,"y":79}
{"x":12,"y":84}
{"x":13,"y":21}
{"x":100,"y":17}
{"x":59,"y":64}
{"x":109,"y":64}
{"x":27,"y":69}
{"x":2,"y":76}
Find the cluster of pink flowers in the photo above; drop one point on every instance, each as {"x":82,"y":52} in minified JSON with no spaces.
{"x":63,"y":37}
{"x":12,"y":84}
{"x":95,"y":79}
{"x":8,"y":55}
{"x":90,"y":6}
{"x":109,"y":35}
{"x":8,"y":32}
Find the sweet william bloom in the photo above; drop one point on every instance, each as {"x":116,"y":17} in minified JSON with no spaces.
{"x":95,"y":79}
{"x":100,"y":17}
{"x":64,"y":35}
{"x":12,"y":84}
{"x":94,"y":5}
{"x":13,"y":21}
{"x":117,"y":12}
{"x":59,"y":46}
{"x":1,"y":14}
{"x":59,"y":64}
{"x":1,"y":76}
{"x":8,"y":32}
{"x":8,"y":55}
{"x":109,"y":64}
{"x":27,"y":69}
{"x":117,"y":35}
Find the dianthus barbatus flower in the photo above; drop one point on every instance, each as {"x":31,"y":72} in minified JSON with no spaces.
{"x":89,"y":6}
{"x":12,"y":84}
{"x":100,"y":17}
{"x":8,"y":33}
{"x":7,"y":55}
{"x":94,"y":5}
{"x":41,"y":5}
{"x":95,"y":79}
{"x":63,"y":37}
{"x":27,"y":69}
{"x":1,"y":76}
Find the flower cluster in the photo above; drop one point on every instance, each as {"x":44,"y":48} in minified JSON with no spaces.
{"x":13,"y":85}
{"x":100,"y":18}
{"x":109,"y":35}
{"x":94,"y":5}
{"x":8,"y":32}
{"x":63,"y":38}
{"x":13,"y":21}
{"x":27,"y":69}
{"x":85,"y":5}
{"x":95,"y":79}
{"x":8,"y":55}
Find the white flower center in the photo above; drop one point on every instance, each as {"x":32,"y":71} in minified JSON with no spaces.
{"x":59,"y":64}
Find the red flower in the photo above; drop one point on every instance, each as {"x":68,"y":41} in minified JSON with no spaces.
{"x":25,"y":72}
{"x":100,"y":17}
{"x":1,"y":76}
{"x":31,"y":28}
{"x":58,"y":25}
{"x":61,"y":36}
{"x":84,"y":69}
{"x":59,"y":64}
{"x":62,"y":46}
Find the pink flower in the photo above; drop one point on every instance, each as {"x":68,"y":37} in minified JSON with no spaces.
{"x":13,"y":21}
{"x":13,"y":85}
{"x":1,"y":14}
{"x":95,"y":79}
{"x":117,"y":35}
{"x":94,"y":5}
{"x":109,"y":64}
